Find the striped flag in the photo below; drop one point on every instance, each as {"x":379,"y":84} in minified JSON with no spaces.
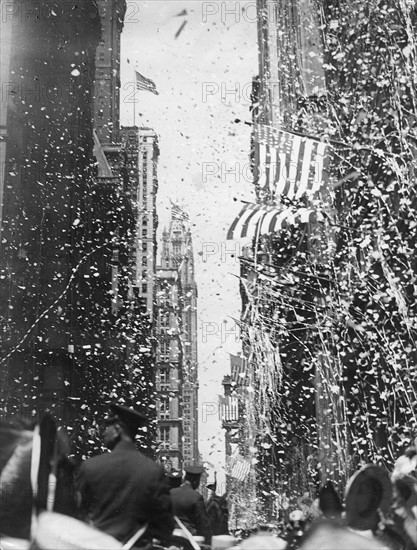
{"x":258,"y":219}
{"x":237,"y":467}
{"x":177,"y":213}
{"x":228,"y":408}
{"x":239,"y":370}
{"x":288,"y":164}
{"x":143,"y":83}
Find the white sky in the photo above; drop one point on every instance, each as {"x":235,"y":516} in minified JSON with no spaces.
{"x":216,"y":51}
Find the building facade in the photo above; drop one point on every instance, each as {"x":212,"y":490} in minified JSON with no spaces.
{"x":75,"y":330}
{"x":142,"y":151}
{"x":47,"y":80}
{"x":169,"y":368}
{"x":126,"y":187}
{"x":177,"y":255}
{"x":307,"y":286}
{"x":107,"y":81}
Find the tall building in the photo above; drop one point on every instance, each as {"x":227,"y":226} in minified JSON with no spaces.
{"x":47,"y":80}
{"x":169,"y":368}
{"x":107,"y":82}
{"x":308,"y":287}
{"x":142,"y":151}
{"x":177,"y":256}
{"x":125,"y":193}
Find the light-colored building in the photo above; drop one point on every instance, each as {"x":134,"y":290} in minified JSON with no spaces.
{"x":177,"y":256}
{"x":142,"y":151}
{"x":169,"y":375}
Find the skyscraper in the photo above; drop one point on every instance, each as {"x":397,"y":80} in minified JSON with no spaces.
{"x":47,"y":78}
{"x":177,"y":255}
{"x":107,"y":82}
{"x":142,"y":151}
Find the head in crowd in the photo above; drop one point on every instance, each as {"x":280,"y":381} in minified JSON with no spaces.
{"x":368,"y":491}
{"x":174,"y":478}
{"x":329,"y":502}
{"x":193,"y":475}
{"x":122,"y":424}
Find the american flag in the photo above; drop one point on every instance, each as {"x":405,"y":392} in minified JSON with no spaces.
{"x":177,"y":213}
{"x":237,"y":467}
{"x":288,"y":164}
{"x":143,"y":83}
{"x":259,"y":219}
{"x":228,"y":408}
{"x":239,"y":370}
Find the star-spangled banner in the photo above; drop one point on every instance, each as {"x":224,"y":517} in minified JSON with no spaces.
{"x":228,"y":408}
{"x":288,"y":164}
{"x":259,"y":219}
{"x":239,"y":370}
{"x":238,"y":468}
{"x":178,"y":213}
{"x":143,"y":83}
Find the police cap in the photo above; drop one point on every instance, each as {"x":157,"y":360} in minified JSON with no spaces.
{"x":132,"y":420}
{"x":193,"y":472}
{"x":174,"y":474}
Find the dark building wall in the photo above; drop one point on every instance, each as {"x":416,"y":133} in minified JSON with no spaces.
{"x":107,"y":89}
{"x":46,"y":206}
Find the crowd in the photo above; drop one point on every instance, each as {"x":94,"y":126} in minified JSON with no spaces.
{"x":122,"y":499}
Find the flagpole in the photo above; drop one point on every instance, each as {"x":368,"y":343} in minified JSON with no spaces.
{"x":134,"y":97}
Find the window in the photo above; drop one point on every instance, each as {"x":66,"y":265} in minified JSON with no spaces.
{"x":164,"y":378}
{"x":164,"y":408}
{"x":164,"y":350}
{"x":176,"y":249}
{"x":165,"y":319}
{"x":144,"y":289}
{"x":164,"y":437}
{"x":144,"y":260}
{"x":145,"y":232}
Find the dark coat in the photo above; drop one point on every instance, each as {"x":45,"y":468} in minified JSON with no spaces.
{"x":189,"y":506}
{"x":122,"y":490}
{"x":218,"y":515}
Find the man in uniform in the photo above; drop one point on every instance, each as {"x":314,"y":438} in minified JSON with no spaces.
{"x":188,"y":504}
{"x":174,"y":479}
{"x":122,"y":491}
{"x":217,"y":511}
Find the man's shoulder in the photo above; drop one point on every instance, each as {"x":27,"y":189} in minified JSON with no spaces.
{"x":187,"y":491}
{"x":132,"y":460}
{"x":95,"y":461}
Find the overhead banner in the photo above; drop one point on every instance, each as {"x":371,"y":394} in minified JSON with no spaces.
{"x":258,"y":219}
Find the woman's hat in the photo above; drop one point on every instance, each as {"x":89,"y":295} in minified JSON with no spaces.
{"x":367,"y":491}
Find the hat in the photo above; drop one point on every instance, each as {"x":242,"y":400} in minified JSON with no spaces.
{"x":212,"y":485}
{"x":174,"y":474}
{"x":133,"y":420}
{"x":194,"y":470}
{"x":368,"y":490}
{"x":297,"y":515}
{"x":174,"y":478}
{"x":329,"y":501}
